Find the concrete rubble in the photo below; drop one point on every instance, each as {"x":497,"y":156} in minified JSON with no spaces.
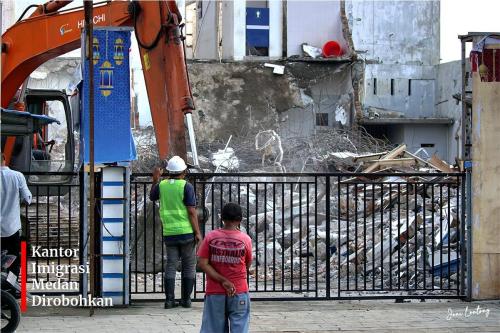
{"x":288,"y":223}
{"x":426,"y":234}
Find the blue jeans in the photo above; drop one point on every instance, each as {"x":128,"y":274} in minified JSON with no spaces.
{"x":223,"y":314}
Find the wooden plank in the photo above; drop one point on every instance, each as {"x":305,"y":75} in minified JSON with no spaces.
{"x":390,"y":155}
{"x":367,"y":157}
{"x":440,"y":164}
{"x":395,"y":161}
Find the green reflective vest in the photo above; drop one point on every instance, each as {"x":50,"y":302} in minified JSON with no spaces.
{"x":173,"y":213}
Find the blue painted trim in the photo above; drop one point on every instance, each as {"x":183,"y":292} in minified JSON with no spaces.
{"x":113,"y":201}
{"x":112,"y":220}
{"x":112,"y":293}
{"x":110,"y":257}
{"x":113,"y":183}
{"x":112,"y":275}
{"x":111,"y":238}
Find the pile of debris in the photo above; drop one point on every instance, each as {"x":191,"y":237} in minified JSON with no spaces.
{"x":387,"y":230}
{"x":390,"y":231}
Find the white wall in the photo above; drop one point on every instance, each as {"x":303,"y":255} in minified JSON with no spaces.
{"x":396,"y":32}
{"x":275,"y":29}
{"x":401,"y":41}
{"x":205,"y":46}
{"x":313,"y":22}
{"x":239,"y":32}
{"x":227,"y":29}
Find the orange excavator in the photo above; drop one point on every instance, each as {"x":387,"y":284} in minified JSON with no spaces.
{"x":51,"y":31}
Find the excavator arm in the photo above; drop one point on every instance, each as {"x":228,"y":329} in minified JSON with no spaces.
{"x":50,"y":32}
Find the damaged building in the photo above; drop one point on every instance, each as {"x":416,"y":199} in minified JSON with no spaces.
{"x":388,"y":78}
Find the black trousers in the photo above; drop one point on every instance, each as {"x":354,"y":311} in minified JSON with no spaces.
{"x":13,"y":246}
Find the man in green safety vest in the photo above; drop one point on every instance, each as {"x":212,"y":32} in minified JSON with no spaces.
{"x":181,"y":232}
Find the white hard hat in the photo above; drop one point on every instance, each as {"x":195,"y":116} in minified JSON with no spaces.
{"x":176,"y":165}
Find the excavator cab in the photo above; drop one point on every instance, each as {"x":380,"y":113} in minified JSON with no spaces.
{"x":40,"y":145}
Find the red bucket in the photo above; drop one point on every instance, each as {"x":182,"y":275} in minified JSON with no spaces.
{"x":332,"y":49}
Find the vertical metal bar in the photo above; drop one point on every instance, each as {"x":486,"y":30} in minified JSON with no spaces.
{"x":449,"y":236}
{"x":416,"y":238}
{"x":283,"y":236}
{"x":364,"y":236}
{"x":221,"y":198}
{"x":399,"y":233}
{"x":196,"y":203}
{"x":69,"y":221}
{"x":48,"y":227}
{"x":130,"y":233}
{"x":37,"y":226}
{"x":300,"y":236}
{"x":59,"y":225}
{"x":348,"y":226}
{"x":307,"y":236}
{"x":136,"y":239}
{"x":239,"y":193}
{"x":265,"y":236}
{"x":433,"y":237}
{"x":248,"y":221}
{"x":256,"y":236}
{"x":339,"y":234}
{"x":382,"y":236}
{"x":424,"y":252}
{"x":274,"y":236}
{"x":465,"y":149}
{"x":88,"y":11}
{"x":460,"y":231}
{"x":154,"y":244}
{"x":212,"y":190}
{"x":327,"y":203}
{"x":144,"y":215}
{"x":467,"y":209}
{"x":390,"y":236}
{"x":291,"y":236}
{"x":407,"y":240}
{"x":373,"y":237}
{"x":356,"y":235}
{"x":230,"y":184}
{"x":126,"y":234}
{"x":441,"y":235}
{"x":316,"y":235}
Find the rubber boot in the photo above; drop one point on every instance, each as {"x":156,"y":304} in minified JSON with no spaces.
{"x":170,"y":294}
{"x":187,"y":288}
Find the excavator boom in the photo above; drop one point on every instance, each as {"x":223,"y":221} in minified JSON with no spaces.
{"x":50,"y":32}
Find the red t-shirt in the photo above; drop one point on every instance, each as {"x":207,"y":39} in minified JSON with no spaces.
{"x":228,"y":252}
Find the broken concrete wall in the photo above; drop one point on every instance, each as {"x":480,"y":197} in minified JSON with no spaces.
{"x":396,"y":32}
{"x":449,"y":83}
{"x":243,"y":98}
{"x":324,"y":18}
{"x":400,"y":54}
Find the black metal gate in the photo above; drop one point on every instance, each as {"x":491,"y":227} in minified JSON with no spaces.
{"x":324,"y":236}
{"x":52,"y":221}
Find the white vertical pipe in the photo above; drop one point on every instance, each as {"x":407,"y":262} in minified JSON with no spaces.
{"x":192,"y":139}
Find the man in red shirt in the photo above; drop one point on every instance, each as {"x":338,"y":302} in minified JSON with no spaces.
{"x":225,"y":256}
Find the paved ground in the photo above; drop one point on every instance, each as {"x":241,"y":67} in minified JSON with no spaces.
{"x":349,"y":316}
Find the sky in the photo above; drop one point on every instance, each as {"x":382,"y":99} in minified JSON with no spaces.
{"x":458,"y":17}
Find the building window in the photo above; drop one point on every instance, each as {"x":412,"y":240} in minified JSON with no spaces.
{"x":257,"y":28}
{"x":321,"y":119}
